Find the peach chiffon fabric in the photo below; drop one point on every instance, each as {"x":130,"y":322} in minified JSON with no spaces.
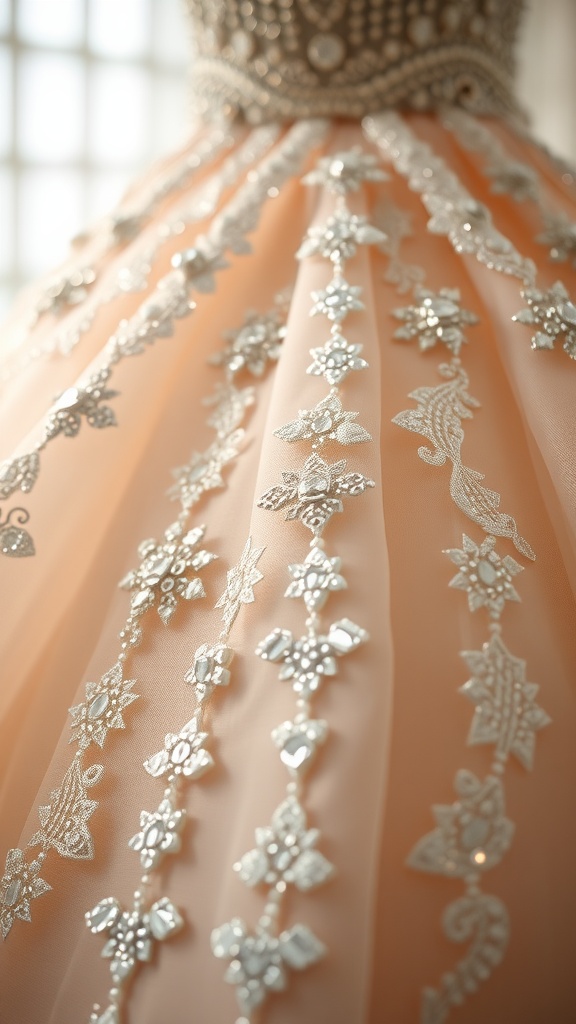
{"x":399,"y":724}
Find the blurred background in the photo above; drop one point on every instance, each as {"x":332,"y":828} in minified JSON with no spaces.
{"x":93,"y":90}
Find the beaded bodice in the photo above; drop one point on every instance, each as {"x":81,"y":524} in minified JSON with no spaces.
{"x":282,"y":59}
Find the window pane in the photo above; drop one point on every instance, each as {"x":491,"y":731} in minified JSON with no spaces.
{"x":50,"y":208}
{"x":119,"y":29}
{"x":5,"y":101}
{"x":6,"y":221}
{"x":172,"y":114}
{"x":119,"y":114}
{"x":51,"y":107}
{"x":172,"y":34}
{"x":105,"y":191}
{"x":4,"y":15}
{"x":50,"y":22}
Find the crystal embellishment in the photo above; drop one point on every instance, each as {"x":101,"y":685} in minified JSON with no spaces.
{"x":102,"y":709}
{"x":435,"y":317}
{"x":297,"y":742}
{"x":20,"y":884}
{"x":554,"y":313}
{"x":285,"y":852}
{"x":337,"y":300}
{"x":159,"y":834}
{"x":339,"y":238}
{"x":315,"y":578}
{"x":345,"y":172}
{"x":183,"y":755}
{"x":65,"y":416}
{"x":327,"y":421}
{"x":336,"y":359}
{"x":258,"y":962}
{"x":308,"y":660}
{"x":210,"y":669}
{"x":473,"y":833}
{"x":161,"y":576}
{"x":132,"y":932}
{"x":486,"y":578}
{"x":313,"y":494}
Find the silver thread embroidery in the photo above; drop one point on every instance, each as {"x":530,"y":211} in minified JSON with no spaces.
{"x":132,"y":934}
{"x":171,"y":299}
{"x":288,"y":850}
{"x":161,"y":581}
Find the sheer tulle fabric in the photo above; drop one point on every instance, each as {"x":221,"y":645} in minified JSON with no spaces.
{"x":399,"y":723}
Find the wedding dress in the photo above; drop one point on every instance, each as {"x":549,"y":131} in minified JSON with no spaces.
{"x":308,"y":396}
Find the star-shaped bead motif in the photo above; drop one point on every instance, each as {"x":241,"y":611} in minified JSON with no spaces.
{"x":336,"y":359}
{"x":159,"y":834}
{"x":507,"y":714}
{"x":473,"y":833}
{"x":485,"y":576}
{"x":315,"y":578}
{"x":337,"y":300}
{"x":515,"y":179}
{"x":204,"y":470}
{"x":240,"y":582}
{"x":19,"y":473}
{"x":161,"y":575}
{"x":102,"y":709}
{"x":210,"y":669}
{"x":65,"y":416}
{"x":67,"y":291}
{"x":552,"y":311}
{"x":560,"y":236}
{"x":199,"y":266}
{"x":313,"y":494}
{"x":310,"y":659}
{"x":285,"y":852}
{"x":132,"y":932}
{"x":435,"y":318}
{"x":20,"y":884}
{"x":339,"y":238}
{"x":345,"y":171}
{"x":327,"y":421}
{"x":254,"y":346}
{"x":258,"y":962}
{"x":183,"y":755}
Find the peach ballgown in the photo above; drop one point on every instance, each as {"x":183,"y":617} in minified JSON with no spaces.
{"x":379,"y":509}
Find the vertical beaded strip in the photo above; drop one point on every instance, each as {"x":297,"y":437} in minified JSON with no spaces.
{"x":193,"y":271}
{"x":70,"y":289}
{"x":162,"y":581}
{"x":286,"y":851}
{"x":468,"y":226}
{"x":131,"y":934}
{"x":473,"y":833}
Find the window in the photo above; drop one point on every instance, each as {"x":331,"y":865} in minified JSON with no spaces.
{"x":117,"y":66}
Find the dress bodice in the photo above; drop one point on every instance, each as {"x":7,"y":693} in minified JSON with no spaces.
{"x":283,"y":59}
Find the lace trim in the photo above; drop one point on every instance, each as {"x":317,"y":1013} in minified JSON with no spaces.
{"x":165,"y":577}
{"x":171,"y":300}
